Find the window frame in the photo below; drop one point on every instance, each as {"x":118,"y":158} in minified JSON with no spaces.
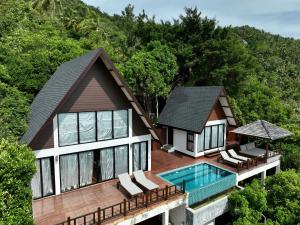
{"x":140,"y":161}
{"x":97,"y":161}
{"x":58,"y":129}
{"x":189,"y":134}
{"x":113,"y":123}
{"x":210,"y":137}
{"x":96,"y":126}
{"x":51,"y":158}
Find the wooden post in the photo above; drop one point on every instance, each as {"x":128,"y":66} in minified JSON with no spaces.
{"x":147,"y":194}
{"x":99,"y":215}
{"x":166,"y":192}
{"x":124,"y":202}
{"x":267,"y":151}
{"x":69,"y":221}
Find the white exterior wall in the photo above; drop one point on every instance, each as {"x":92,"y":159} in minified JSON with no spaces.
{"x":57,"y":151}
{"x":180,"y":141}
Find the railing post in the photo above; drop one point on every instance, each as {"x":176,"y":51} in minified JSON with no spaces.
{"x":124,"y":202}
{"x":69,"y":221}
{"x":183,"y":186}
{"x":166,"y":192}
{"x":147,"y":195}
{"x":99,"y":215}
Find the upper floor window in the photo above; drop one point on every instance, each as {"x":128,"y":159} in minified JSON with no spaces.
{"x":85,"y":127}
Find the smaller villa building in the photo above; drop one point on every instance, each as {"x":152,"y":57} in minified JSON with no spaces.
{"x":197,"y":120}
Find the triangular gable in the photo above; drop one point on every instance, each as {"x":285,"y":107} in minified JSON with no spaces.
{"x":62,"y":84}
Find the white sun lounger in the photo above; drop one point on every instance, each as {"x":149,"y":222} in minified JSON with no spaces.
{"x":144,"y":181}
{"x":233,"y":154}
{"x":228,"y":159}
{"x":128,"y":185}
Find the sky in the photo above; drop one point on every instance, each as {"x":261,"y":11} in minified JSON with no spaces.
{"x":275,"y":16}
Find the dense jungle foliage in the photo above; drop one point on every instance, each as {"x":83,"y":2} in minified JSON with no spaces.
{"x":260,"y":71}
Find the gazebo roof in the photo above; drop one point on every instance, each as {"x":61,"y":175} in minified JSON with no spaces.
{"x":263,"y":129}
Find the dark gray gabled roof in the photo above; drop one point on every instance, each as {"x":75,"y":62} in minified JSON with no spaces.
{"x":60,"y":85}
{"x":262,"y":129}
{"x":54,"y":91}
{"x":188,"y":108}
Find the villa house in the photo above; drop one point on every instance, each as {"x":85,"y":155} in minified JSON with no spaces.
{"x":197,"y":119}
{"x":86,"y":127}
{"x":81,"y":126}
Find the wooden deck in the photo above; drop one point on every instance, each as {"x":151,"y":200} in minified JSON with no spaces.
{"x":54,"y":209}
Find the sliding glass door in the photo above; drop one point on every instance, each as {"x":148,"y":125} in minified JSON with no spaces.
{"x":76,"y":170}
{"x":211,"y":137}
{"x":85,"y":168}
{"x":43,"y":180}
{"x":113,"y":161}
{"x":140,"y":156}
{"x":107,"y":164}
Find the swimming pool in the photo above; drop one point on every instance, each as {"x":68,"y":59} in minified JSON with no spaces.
{"x":202,"y":180}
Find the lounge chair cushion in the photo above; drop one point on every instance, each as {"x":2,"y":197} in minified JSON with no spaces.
{"x":250,"y":146}
{"x":255,"y":152}
{"x":236,"y":156}
{"x":128,"y":185}
{"x":144,"y":181}
{"x":226,"y":157}
{"x":243,"y":147}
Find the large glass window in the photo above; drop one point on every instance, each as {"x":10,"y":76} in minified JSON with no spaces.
{"x":214,"y":136}
{"x":104,"y":125}
{"x":140,"y":156}
{"x":221,"y":135}
{"x":68,"y":129}
{"x":83,"y":127}
{"x":87,"y":127}
{"x":211,"y":137}
{"x":200,"y":142}
{"x":190,"y":141}
{"x":42,"y":182}
{"x":207,"y":137}
{"x":120,"y":123}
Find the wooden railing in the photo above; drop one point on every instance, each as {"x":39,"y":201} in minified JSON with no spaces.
{"x":102,"y":215}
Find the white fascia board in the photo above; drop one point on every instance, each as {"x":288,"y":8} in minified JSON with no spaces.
{"x":215,"y":122}
{"x":90,"y":146}
{"x":254,"y":171}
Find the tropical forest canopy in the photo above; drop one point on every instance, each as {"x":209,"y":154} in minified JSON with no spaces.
{"x":259,"y":70}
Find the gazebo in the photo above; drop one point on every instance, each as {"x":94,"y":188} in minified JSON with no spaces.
{"x":261,"y":129}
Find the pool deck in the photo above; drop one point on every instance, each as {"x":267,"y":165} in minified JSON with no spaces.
{"x":163,"y":161}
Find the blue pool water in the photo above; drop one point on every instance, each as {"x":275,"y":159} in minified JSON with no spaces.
{"x":196,"y":176}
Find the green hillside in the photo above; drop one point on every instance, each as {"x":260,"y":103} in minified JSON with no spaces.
{"x":259,"y":70}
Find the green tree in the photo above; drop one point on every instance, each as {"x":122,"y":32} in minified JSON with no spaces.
{"x":248,"y":205}
{"x":284,"y":197}
{"x":150,"y":71}
{"x":16,"y":171}
{"x":14,"y":107}
{"x":290,"y":157}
